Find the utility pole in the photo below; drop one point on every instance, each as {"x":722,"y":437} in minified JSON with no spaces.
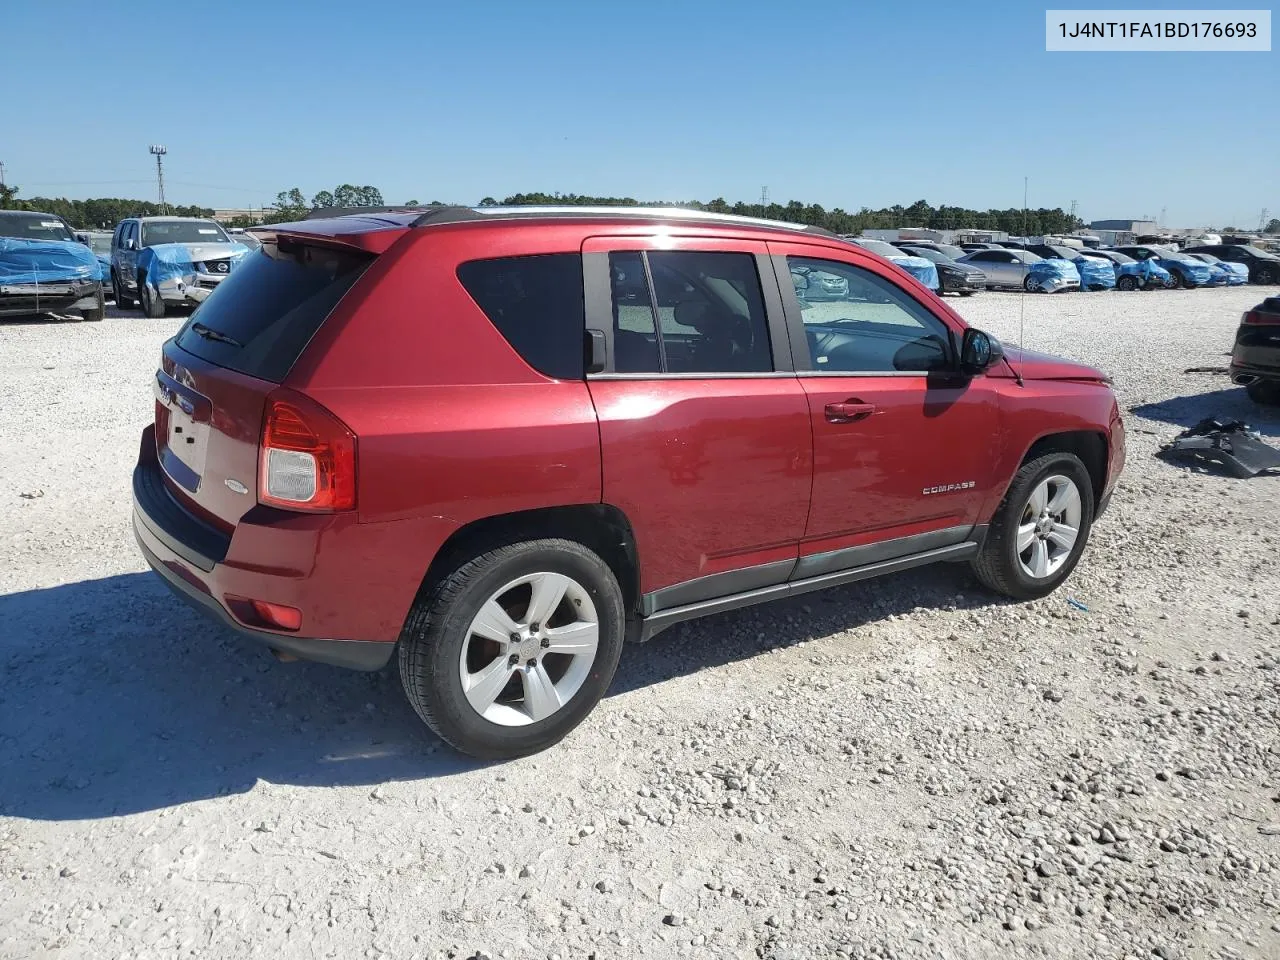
{"x":158,"y":151}
{"x":764,"y":196}
{"x":1262,"y":217}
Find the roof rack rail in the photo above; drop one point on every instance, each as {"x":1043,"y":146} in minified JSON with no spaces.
{"x":325,"y":213}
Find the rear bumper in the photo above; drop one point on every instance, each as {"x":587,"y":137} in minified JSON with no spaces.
{"x":200,"y":564}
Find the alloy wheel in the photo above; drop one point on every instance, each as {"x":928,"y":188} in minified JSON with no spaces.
{"x":1049,"y":526}
{"x":529,"y":649}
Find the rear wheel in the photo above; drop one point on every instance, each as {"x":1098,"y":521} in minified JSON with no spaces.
{"x":1266,"y":275}
{"x":1127,"y":283}
{"x":1040,"y":530}
{"x":1264,"y":391}
{"x":100,"y":308}
{"x":514,"y":648}
{"x":152,"y":304}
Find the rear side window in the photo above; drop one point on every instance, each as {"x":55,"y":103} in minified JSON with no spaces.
{"x":264,"y":314}
{"x":536,"y":304}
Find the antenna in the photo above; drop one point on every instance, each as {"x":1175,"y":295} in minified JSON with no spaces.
{"x":764,"y":196}
{"x":158,"y":150}
{"x":1022,"y":300}
{"x":1163,"y":210}
{"x":1262,"y":217}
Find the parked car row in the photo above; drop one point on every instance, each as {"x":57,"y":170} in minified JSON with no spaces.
{"x":46,"y":267}
{"x":1049,"y":267}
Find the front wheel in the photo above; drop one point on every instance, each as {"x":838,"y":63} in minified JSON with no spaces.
{"x":1030,"y":285}
{"x":99,"y":309}
{"x":1266,"y":275}
{"x":1040,"y":530}
{"x":1127,"y":283}
{"x":152,"y":303}
{"x":513,"y":649}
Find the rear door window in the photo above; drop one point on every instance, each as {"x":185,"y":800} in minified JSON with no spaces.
{"x":536,"y":304}
{"x":264,"y":314}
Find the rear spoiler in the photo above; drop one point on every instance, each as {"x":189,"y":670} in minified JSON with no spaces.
{"x":424,"y":215}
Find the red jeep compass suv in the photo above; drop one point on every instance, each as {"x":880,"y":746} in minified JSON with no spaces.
{"x":501,"y":441}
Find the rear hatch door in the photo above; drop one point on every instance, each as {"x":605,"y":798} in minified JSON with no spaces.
{"x":237,"y":347}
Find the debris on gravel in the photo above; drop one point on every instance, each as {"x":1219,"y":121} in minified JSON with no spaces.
{"x":901,"y":768}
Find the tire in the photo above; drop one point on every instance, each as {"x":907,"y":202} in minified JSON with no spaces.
{"x":99,"y":311}
{"x":999,"y":566}
{"x":1266,"y":275}
{"x":1180,"y":281}
{"x":967,"y":293}
{"x":439,"y":642}
{"x":1266,"y":392}
{"x":123,"y":301}
{"x":152,"y":305}
{"x":1127,"y":283}
{"x":1030,"y":285}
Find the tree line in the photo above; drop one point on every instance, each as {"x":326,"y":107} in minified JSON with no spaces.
{"x":96,"y":214}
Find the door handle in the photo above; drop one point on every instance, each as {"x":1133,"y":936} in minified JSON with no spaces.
{"x":849,"y":411}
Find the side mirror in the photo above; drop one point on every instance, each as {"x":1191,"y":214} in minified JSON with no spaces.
{"x":978,"y":351}
{"x":131,"y":244}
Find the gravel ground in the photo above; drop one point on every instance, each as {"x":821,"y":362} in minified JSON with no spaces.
{"x":903,"y":768}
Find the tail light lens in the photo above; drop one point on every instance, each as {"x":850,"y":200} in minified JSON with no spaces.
{"x":307,"y":457}
{"x":1261,"y":319}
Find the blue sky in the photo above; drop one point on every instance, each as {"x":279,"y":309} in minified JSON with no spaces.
{"x":845,"y":104}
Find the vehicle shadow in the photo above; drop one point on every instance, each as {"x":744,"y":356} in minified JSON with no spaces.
{"x":1229,"y":403}
{"x":115,"y":698}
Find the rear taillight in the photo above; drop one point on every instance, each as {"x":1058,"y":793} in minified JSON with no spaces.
{"x":307,"y":457}
{"x":1261,"y":319}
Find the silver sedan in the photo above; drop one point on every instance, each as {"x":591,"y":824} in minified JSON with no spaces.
{"x":1004,"y":268}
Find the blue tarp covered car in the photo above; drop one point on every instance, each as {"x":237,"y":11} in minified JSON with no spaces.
{"x":44,"y":269}
{"x":1142,"y":275}
{"x":923,"y":270}
{"x":1052,"y":275}
{"x":1184,"y":271}
{"x":1095,"y":273}
{"x":1223,"y":273}
{"x":920,"y":268}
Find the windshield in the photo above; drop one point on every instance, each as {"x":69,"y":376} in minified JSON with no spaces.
{"x":100,"y":242}
{"x":1206,"y":257}
{"x":1026,"y":256}
{"x":1065,"y":253}
{"x":155,"y":232}
{"x":880,"y":247}
{"x":33,"y":226}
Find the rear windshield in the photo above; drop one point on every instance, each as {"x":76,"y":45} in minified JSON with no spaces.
{"x":264,"y":314}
